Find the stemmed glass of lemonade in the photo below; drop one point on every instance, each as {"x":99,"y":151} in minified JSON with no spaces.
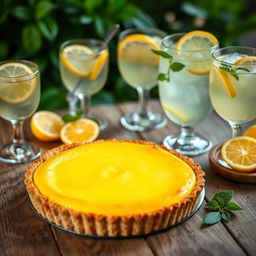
{"x":184,"y":87}
{"x":139,"y":68}
{"x":19,"y":99}
{"x":233,"y":86}
{"x":84,"y":70}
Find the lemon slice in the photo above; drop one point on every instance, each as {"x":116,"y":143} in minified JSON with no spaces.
{"x":226,"y":82}
{"x":80,"y":131}
{"x":74,"y":59}
{"x":246,"y":60}
{"x":46,"y":125}
{"x":251,"y":131}
{"x":197,"y":41}
{"x":179,"y":115}
{"x":16,"y":92}
{"x":137,"y":48}
{"x":99,"y":65}
{"x":240,"y":153}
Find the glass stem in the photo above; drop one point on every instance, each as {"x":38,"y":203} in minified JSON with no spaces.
{"x":18,"y":136}
{"x":85,"y":103}
{"x":143,"y":101}
{"x":237,"y":129}
{"x":72,"y":102}
{"x":186,"y":135}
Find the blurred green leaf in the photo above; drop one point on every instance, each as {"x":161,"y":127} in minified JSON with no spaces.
{"x":91,"y":5}
{"x":48,"y":27}
{"x":21,"y":12}
{"x":77,"y":3}
{"x":85,"y":19}
{"x":99,"y":26}
{"x":31,"y":39}
{"x":43,"y":8}
{"x":103,"y":97}
{"x":5,"y":8}
{"x":3,"y":50}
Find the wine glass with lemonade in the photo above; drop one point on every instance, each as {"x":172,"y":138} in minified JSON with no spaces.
{"x":184,"y":87}
{"x":19,"y":99}
{"x":84,"y":70}
{"x":233,"y":86}
{"x":139,"y":68}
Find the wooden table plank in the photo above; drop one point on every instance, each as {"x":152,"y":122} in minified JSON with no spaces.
{"x":22,"y":233}
{"x":217,"y":130}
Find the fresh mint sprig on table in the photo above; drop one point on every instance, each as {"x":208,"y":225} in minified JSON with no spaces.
{"x":231,"y":70}
{"x":173,"y":66}
{"x":70,"y":118}
{"x":221,"y":207}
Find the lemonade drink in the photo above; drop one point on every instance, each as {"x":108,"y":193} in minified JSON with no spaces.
{"x":234,"y":96}
{"x":137,"y":63}
{"x":19,"y":96}
{"x":83,"y":70}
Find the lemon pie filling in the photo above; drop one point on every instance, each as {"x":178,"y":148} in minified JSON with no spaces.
{"x":115,"y":178}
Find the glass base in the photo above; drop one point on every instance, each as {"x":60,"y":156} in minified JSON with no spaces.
{"x":137,"y":122}
{"x":193,"y":146}
{"x":16,"y":153}
{"x":102,"y":123}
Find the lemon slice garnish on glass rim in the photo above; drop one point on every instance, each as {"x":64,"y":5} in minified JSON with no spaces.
{"x":137,"y":48}
{"x":74,"y":57}
{"x":240,"y":153}
{"x":178,"y":114}
{"x":197,"y":41}
{"x":19,"y":89}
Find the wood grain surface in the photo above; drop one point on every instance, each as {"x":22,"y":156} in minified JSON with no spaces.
{"x":23,"y":233}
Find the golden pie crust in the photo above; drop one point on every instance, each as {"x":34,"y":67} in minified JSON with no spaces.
{"x":111,"y":225}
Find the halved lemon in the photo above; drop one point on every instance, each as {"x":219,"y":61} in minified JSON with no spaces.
{"x":137,"y":48}
{"x":46,"y":125}
{"x":16,"y":91}
{"x":178,"y":114}
{"x":82,"y":130}
{"x":74,"y":59}
{"x":197,"y":41}
{"x":240,"y":153}
{"x":251,"y":131}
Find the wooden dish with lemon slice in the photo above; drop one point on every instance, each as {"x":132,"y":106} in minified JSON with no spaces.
{"x":235,"y":159}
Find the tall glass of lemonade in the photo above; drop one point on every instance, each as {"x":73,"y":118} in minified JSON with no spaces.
{"x":233,"y":85}
{"x":184,"y":87}
{"x":19,"y":99}
{"x":139,"y":68}
{"x":84,"y":70}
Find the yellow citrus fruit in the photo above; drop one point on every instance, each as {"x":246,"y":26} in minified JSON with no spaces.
{"x":197,"y":41}
{"x":82,"y":130}
{"x":101,"y":60}
{"x":226,"y":82}
{"x":179,"y":115}
{"x":246,"y":60}
{"x":75,"y":58}
{"x":137,"y":48}
{"x":46,"y":125}
{"x":16,"y":91}
{"x":251,"y":131}
{"x":240,"y":153}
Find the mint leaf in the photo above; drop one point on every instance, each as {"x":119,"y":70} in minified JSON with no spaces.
{"x":231,"y":206}
{"x":235,"y":75}
{"x":226,"y":195}
{"x":162,"y":53}
{"x":70,"y":118}
{"x":212,"y":218}
{"x":162,"y":77}
{"x":221,"y":201}
{"x":241,"y":68}
{"x":225,"y":216}
{"x":230,"y":70}
{"x":213,"y":205}
{"x":176,"y":66}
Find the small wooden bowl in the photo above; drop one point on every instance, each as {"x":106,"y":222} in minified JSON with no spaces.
{"x":227,"y":172}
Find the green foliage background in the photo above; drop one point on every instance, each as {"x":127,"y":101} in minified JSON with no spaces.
{"x":35,"y":29}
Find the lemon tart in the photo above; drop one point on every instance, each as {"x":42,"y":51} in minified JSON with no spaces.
{"x":114,"y":188}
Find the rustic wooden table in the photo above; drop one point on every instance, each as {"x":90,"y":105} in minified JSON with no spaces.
{"x":23,"y":233}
